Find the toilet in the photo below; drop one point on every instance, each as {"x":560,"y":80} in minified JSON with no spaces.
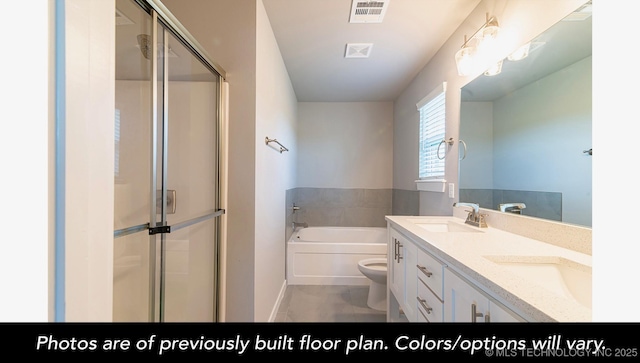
{"x":375,"y":269}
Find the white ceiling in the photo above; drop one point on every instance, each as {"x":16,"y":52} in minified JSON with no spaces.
{"x":312,"y":36}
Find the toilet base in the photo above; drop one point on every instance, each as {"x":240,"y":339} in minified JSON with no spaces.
{"x":377,"y":298}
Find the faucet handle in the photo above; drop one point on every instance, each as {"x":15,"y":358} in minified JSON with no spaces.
{"x":482,"y":223}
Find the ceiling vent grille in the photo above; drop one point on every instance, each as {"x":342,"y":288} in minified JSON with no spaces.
{"x":358,"y":50}
{"x":368,"y":11}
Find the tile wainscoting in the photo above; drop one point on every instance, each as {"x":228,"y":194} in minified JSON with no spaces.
{"x":342,"y":207}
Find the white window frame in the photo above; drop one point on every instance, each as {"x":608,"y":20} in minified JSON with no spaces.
{"x":432,"y":110}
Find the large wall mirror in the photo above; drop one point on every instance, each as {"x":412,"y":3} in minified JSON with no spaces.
{"x":527,"y":130}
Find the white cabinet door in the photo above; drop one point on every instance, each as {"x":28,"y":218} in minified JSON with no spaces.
{"x":395,"y":265}
{"x":402,"y":280}
{"x":462,"y":302}
{"x":465,"y":303}
{"x":409,"y":254}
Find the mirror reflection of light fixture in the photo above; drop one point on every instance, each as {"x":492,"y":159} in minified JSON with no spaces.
{"x":477,"y":49}
{"x":494,"y":69}
{"x":520,"y":53}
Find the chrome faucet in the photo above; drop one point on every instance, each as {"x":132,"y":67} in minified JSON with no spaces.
{"x":512,"y":207}
{"x":474,"y":218}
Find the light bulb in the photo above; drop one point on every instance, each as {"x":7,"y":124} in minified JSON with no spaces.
{"x":488,"y":38}
{"x":465,"y":60}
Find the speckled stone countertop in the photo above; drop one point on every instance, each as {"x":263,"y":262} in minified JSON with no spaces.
{"x":466,"y":253}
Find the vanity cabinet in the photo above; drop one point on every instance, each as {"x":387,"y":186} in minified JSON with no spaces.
{"x":423,"y":288}
{"x":415,"y":281}
{"x":401,"y":278}
{"x":466,"y":303}
{"x":430,"y":296}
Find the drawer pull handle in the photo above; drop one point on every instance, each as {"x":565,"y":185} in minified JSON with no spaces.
{"x":424,"y":270}
{"x":423,"y":302}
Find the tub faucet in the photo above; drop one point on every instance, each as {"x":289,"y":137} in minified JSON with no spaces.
{"x":303,"y":225}
{"x":474,"y":217}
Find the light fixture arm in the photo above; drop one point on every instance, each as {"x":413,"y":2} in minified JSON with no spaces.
{"x":491,"y":21}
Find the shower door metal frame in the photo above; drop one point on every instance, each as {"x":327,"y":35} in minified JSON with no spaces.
{"x":161,"y":16}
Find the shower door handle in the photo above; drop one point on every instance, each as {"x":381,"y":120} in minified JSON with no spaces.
{"x":171,"y":202}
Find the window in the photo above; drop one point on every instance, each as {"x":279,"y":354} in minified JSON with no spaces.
{"x":432,"y":133}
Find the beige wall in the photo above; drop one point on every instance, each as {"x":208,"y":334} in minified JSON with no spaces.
{"x":89,"y":118}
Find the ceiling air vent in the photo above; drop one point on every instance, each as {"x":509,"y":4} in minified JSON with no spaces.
{"x":368,"y":11}
{"x":358,"y":50}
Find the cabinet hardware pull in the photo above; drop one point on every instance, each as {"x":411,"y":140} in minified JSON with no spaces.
{"x":474,"y":313}
{"x":424,"y":270}
{"x":423,"y":302}
{"x":399,"y":254}
{"x":395,"y":251}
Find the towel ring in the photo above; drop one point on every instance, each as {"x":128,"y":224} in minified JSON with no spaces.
{"x":450,"y":142}
{"x":464,"y":144}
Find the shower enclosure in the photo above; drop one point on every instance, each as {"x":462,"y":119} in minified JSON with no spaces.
{"x":167,"y":170}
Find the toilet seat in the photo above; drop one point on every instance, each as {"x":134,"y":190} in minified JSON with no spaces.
{"x":375,"y":269}
{"x":374,"y":263}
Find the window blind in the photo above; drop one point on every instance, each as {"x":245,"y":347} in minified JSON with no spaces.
{"x":432,"y":132}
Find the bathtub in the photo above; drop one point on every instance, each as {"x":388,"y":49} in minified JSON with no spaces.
{"x":330,"y":255}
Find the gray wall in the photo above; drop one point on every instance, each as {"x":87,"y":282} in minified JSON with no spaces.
{"x":345,"y":145}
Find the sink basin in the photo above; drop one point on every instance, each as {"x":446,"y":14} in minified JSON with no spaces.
{"x":559,"y":275}
{"x":444,"y":226}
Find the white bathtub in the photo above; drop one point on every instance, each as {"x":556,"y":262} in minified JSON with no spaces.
{"x":330,"y":255}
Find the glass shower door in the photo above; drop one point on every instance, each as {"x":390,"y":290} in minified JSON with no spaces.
{"x":166,"y":174}
{"x":189,"y":181}
{"x":132,"y":268}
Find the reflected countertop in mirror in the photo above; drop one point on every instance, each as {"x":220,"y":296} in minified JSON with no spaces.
{"x":527,"y":130}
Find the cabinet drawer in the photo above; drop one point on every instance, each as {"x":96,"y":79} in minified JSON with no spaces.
{"x":431,"y":272}
{"x":429,"y":305}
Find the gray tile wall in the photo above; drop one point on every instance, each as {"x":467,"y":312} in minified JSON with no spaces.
{"x":405,"y":202}
{"x":343,"y":207}
{"x":547,"y":205}
{"x":347,"y":207}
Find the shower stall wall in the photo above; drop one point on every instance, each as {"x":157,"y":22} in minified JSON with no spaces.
{"x":167,"y":170}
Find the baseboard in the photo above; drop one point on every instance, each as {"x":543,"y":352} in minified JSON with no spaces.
{"x":274,"y":311}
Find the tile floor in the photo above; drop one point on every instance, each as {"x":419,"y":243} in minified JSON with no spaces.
{"x":327,"y":303}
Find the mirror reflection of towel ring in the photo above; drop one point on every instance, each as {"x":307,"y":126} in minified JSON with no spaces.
{"x":464,"y":144}
{"x":450,"y":142}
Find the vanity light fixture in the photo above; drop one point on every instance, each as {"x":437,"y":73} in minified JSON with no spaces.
{"x":465,"y":58}
{"x":478,"y":48}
